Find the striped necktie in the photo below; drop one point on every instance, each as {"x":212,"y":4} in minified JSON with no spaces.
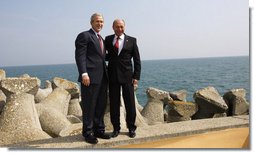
{"x":101,"y":43}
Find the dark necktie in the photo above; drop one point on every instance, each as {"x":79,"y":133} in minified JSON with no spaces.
{"x":101,"y":43}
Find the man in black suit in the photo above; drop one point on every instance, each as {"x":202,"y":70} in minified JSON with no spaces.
{"x":90,"y":60}
{"x":121,"y":50}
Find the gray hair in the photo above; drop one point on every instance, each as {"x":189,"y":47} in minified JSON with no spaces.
{"x":95,"y":15}
{"x":118,"y":20}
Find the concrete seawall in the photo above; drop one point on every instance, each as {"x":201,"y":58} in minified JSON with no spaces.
{"x":144,"y":134}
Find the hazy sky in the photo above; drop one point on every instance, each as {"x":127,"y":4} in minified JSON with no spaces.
{"x":35,"y":32}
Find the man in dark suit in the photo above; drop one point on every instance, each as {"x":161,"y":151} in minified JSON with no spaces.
{"x":121,"y":50}
{"x":90,"y":60}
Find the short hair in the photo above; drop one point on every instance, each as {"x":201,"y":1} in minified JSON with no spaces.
{"x":118,"y":20}
{"x":95,"y":15}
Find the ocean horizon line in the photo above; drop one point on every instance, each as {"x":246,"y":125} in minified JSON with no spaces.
{"x":184,"y":58}
{"x":224,"y":73}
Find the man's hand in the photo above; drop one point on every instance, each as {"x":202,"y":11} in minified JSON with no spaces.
{"x":135,"y":84}
{"x":86,"y":80}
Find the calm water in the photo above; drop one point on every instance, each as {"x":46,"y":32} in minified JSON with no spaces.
{"x":223,"y":73}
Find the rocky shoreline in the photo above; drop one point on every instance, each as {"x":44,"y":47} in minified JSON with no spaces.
{"x":29,"y":113}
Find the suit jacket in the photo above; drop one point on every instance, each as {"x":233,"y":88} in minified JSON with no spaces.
{"x":120,"y":67}
{"x":89,"y":57}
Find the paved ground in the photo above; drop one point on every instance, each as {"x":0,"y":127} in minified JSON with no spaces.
{"x":223,"y":139}
{"x":144,"y":134}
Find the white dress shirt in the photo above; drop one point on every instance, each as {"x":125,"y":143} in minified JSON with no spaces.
{"x":120,"y":41}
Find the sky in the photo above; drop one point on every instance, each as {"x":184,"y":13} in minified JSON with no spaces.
{"x":41,"y":32}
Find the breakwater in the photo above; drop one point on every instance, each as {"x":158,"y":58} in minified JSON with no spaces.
{"x":30,"y":113}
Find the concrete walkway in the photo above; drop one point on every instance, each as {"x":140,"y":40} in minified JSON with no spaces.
{"x":144,"y":134}
{"x":234,"y":138}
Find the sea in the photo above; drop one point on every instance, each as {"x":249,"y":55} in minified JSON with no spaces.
{"x":192,"y":74}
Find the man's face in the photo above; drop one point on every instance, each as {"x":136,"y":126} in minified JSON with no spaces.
{"x":97,"y":23}
{"x":118,"y":27}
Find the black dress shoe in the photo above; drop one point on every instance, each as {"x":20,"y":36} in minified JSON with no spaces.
{"x":115,"y":134}
{"x":91,"y":139}
{"x":132,"y":134}
{"x":102,"y":135}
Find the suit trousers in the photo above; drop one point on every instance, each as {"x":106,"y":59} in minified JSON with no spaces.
{"x":94,"y":102}
{"x":129,"y":102}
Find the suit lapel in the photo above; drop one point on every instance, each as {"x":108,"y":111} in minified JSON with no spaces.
{"x":97,"y":43}
{"x":111,"y":39}
{"x":125,"y":43}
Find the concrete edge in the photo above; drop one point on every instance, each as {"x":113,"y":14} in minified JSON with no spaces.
{"x":144,"y":134}
{"x":165,"y":136}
